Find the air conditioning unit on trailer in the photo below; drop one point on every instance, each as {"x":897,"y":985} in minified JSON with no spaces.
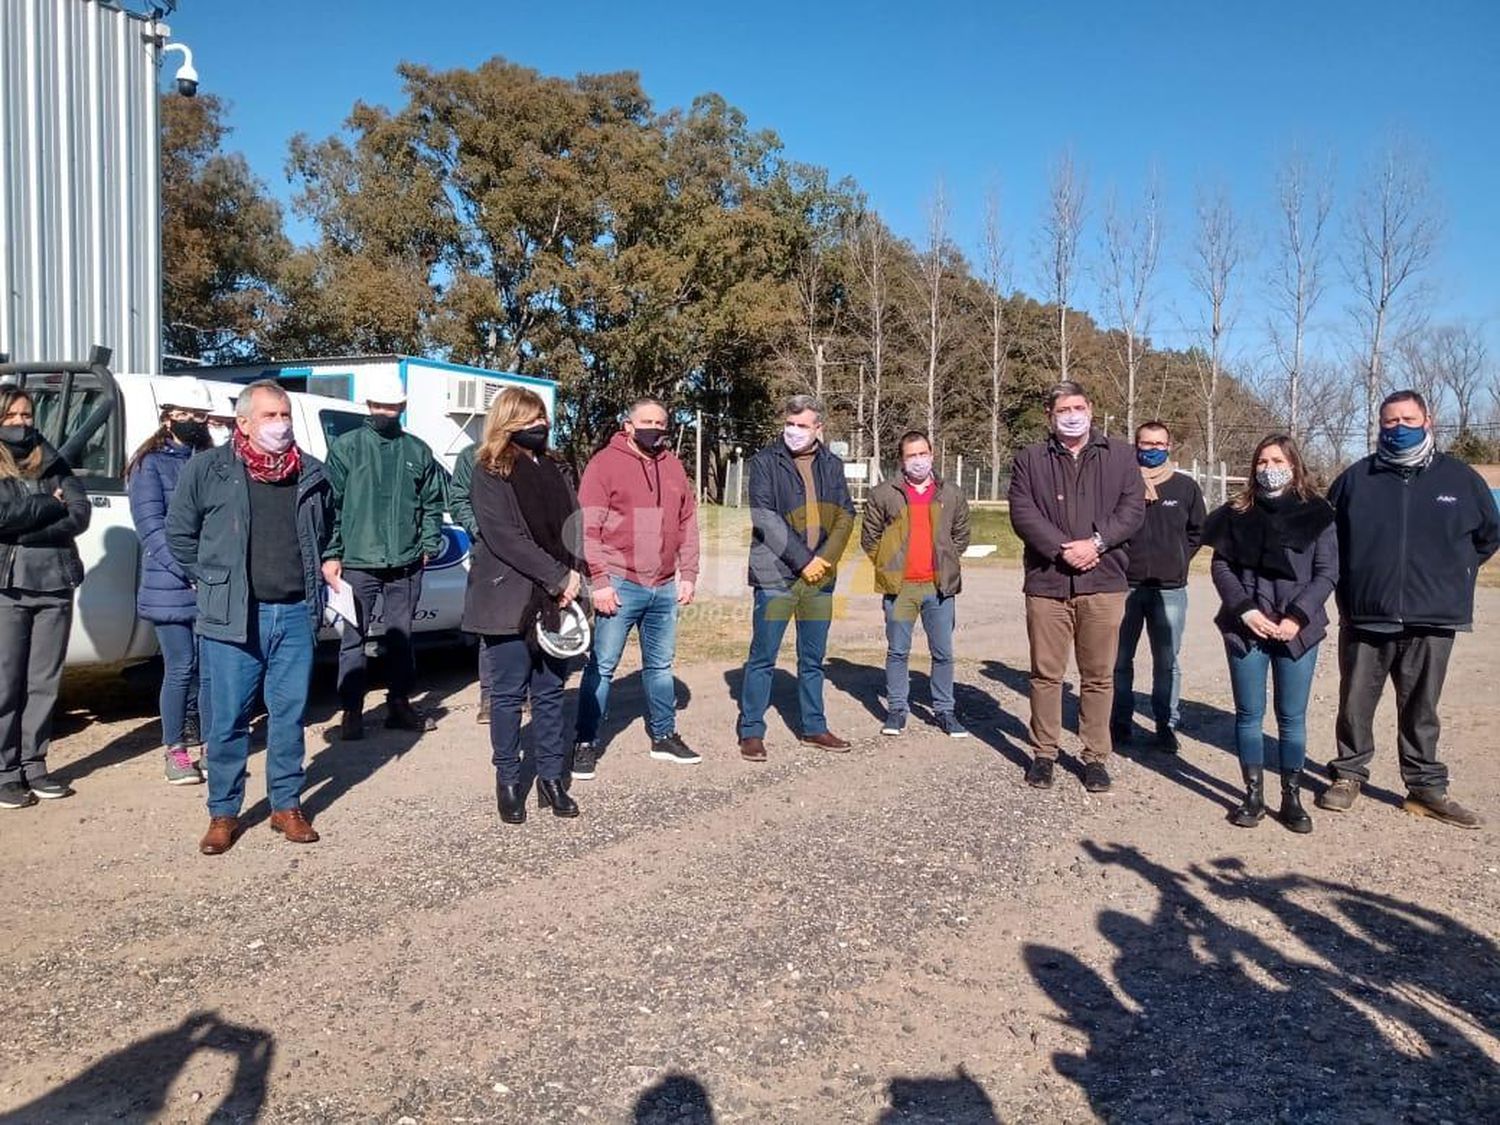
{"x":471,"y":394}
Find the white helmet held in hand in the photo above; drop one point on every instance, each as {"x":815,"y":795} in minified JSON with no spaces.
{"x":572,"y":637}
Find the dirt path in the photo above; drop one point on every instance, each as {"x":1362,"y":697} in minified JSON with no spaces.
{"x":905,"y":933}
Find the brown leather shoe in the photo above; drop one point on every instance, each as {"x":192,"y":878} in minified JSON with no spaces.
{"x":753,"y":749}
{"x":221,"y":834}
{"x":294,"y":826}
{"x":828,"y":741}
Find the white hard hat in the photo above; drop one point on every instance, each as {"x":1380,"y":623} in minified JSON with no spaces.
{"x":572,"y":636}
{"x":385,"y":388}
{"x":186,"y":393}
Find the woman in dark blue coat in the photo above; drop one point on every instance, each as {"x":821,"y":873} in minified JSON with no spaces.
{"x":1275,"y":565}
{"x":166,"y":597}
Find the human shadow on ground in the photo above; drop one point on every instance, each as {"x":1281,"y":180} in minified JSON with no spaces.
{"x":680,"y":1099}
{"x":981,"y":714}
{"x":1382,"y":1009}
{"x":133,"y":1082}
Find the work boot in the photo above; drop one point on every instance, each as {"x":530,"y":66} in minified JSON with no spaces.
{"x":753,"y":749}
{"x":1339,"y":796}
{"x":221,"y":834}
{"x":1253,"y":809}
{"x":1292,"y":814}
{"x":292,"y":824}
{"x":1440,"y":806}
{"x":352,"y":728}
{"x":1039,"y":773}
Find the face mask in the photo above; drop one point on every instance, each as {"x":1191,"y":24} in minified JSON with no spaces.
{"x":533,"y":440}
{"x":1151,"y":458}
{"x":218,"y":434}
{"x":797,"y":439}
{"x":918,"y":469}
{"x":648,"y":438}
{"x":20,"y":440}
{"x":1273,"y":479}
{"x":190,"y":433}
{"x":273,"y":437}
{"x":1398,"y":438}
{"x":386,"y":425}
{"x":1073,"y":425}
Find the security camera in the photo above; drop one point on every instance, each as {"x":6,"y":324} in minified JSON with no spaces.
{"x":187,"y":73}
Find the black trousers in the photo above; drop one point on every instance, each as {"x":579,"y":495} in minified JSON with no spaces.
{"x":399,"y":589}
{"x":34,"y":629}
{"x":1416,"y":662}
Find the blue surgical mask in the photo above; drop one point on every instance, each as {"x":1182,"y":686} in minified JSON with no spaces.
{"x":1151,"y":458}
{"x":1398,"y":438}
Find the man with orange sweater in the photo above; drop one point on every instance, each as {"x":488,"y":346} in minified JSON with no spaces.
{"x":640,"y":539}
{"x":916,"y":529}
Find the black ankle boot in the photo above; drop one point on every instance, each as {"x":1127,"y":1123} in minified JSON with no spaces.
{"x":1253,"y":810}
{"x":511,"y":800}
{"x":1293,"y":815}
{"x":553,"y":795}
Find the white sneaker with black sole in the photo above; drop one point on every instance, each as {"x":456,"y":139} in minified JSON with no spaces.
{"x":672,"y":749}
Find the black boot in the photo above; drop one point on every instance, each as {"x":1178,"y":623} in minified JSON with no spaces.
{"x":552,"y":794}
{"x":1293,"y":815}
{"x":1253,"y":810}
{"x":511,"y":800}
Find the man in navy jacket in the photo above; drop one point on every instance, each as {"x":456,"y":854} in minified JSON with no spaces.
{"x":1414,"y":527}
{"x":801,"y":519}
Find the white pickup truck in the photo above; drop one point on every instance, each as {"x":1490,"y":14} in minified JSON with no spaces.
{"x":98,"y":419}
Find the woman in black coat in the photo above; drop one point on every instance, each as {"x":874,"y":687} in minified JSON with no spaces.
{"x":526,"y":565}
{"x":43,"y":509}
{"x":1275,"y":564}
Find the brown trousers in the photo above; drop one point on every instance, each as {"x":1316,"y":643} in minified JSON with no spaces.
{"x":1089,"y":625}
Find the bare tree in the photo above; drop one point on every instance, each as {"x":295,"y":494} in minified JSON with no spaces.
{"x":871,"y":242}
{"x":1446,"y":363}
{"x":934,"y":285}
{"x":1132,"y":248}
{"x":1393,"y":231}
{"x":1062,"y":227}
{"x":1216,"y":258}
{"x":1305,"y":199}
{"x":996,"y":274}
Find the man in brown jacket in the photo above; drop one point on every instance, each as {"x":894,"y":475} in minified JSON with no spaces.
{"x":1075,"y":501}
{"x":915,"y":529}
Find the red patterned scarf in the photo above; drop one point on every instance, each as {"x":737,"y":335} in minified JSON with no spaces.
{"x":266,"y":467}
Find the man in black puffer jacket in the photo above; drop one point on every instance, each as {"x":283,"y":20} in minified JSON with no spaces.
{"x":1160,"y":553}
{"x":1414,"y":527}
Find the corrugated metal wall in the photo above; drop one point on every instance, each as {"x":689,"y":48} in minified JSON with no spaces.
{"x":80,"y":200}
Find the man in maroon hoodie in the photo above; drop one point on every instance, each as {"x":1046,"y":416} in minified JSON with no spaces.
{"x":640,"y":539}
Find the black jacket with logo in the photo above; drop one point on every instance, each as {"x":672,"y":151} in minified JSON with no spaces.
{"x":1169,"y":538}
{"x":1411,"y":543}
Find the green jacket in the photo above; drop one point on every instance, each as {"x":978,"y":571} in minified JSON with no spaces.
{"x":389,"y":497}
{"x":460,"y":506}
{"x":887,"y":531}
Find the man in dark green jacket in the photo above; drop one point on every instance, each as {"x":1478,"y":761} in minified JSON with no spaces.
{"x":389,"y":492}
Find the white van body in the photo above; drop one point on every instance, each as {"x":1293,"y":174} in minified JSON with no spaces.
{"x":106,"y":629}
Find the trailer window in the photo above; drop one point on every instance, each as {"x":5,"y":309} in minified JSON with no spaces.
{"x":336,"y":422}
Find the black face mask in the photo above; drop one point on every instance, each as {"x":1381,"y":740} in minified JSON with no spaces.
{"x":19,"y":440}
{"x":648,"y":438}
{"x":386,"y":425}
{"x":190,"y":433}
{"x":533,"y":440}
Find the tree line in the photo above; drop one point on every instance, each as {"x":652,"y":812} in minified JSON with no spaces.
{"x":568,"y":228}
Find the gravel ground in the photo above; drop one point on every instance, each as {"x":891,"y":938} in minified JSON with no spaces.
{"x":905,"y":933}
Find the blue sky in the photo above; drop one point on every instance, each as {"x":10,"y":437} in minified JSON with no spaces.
{"x":979,"y":95}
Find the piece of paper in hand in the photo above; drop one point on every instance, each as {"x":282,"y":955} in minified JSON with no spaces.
{"x":341,"y":601}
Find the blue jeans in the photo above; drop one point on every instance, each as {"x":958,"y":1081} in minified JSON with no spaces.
{"x":180,"y":692}
{"x":938,"y":618}
{"x":1292,"y":684}
{"x":1164,"y":615}
{"x":773,"y":612}
{"x":652,"y":611}
{"x":512,"y":671}
{"x":276,"y":658}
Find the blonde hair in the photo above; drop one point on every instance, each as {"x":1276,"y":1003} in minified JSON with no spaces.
{"x":31,"y":467}
{"x":514,"y":409}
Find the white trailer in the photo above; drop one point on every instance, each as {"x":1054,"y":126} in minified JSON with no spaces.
{"x":446,"y":402}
